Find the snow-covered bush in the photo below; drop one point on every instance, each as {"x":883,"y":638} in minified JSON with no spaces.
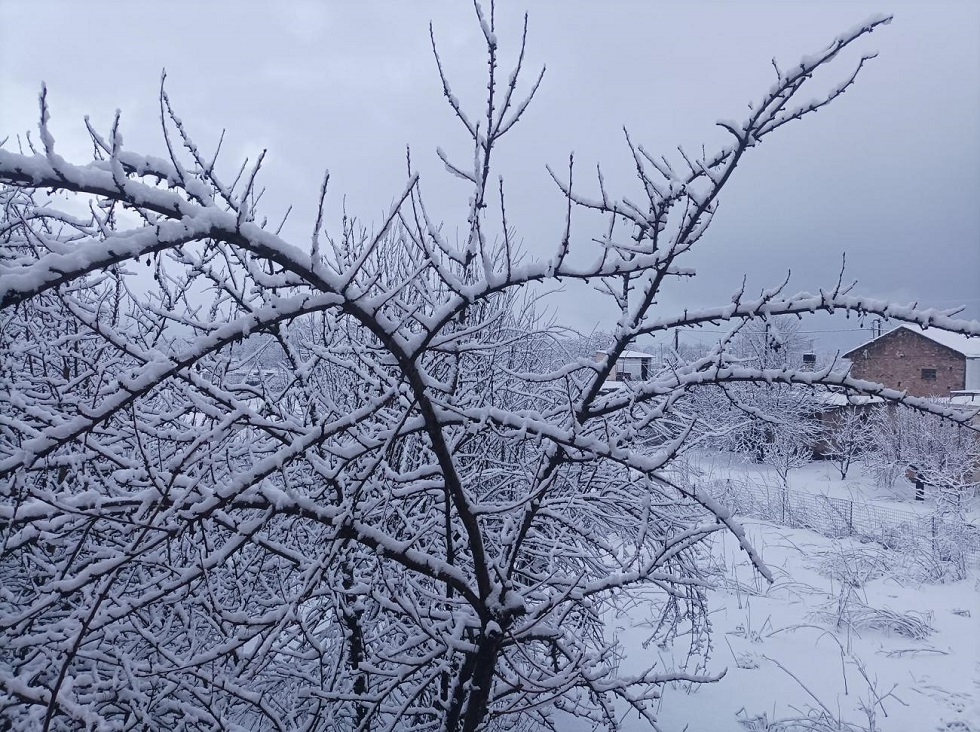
{"x":942,"y":454}
{"x":846,"y":437}
{"x":416,"y":520}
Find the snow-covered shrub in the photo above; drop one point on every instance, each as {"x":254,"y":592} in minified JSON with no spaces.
{"x":854,"y":565}
{"x":944,"y":454}
{"x":937,"y":562}
{"x":852,"y":613}
{"x":846,"y":437}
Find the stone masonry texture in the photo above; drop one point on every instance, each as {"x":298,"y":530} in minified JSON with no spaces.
{"x":898,"y":358}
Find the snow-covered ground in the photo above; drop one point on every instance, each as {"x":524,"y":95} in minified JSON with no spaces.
{"x":849,"y":637}
{"x":841,"y":637}
{"x":822,"y":478}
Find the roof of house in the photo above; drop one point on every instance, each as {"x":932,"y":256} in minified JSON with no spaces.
{"x":971,"y":398}
{"x":840,"y":399}
{"x":631,"y":354}
{"x":969,"y":347}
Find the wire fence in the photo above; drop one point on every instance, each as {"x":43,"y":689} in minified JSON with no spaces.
{"x":946,"y":538}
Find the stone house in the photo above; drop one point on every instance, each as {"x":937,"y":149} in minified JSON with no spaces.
{"x":925,"y":363}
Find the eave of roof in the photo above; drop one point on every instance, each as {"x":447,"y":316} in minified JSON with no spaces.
{"x":963,"y":345}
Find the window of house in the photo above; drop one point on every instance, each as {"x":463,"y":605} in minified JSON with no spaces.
{"x":928,"y":374}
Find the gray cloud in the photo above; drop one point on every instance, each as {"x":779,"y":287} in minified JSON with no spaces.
{"x":889,"y":174}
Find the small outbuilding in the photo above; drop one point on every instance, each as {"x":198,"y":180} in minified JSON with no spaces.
{"x":630,"y":366}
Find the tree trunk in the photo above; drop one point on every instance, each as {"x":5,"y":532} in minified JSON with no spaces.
{"x":481,"y":682}
{"x":472,"y":694}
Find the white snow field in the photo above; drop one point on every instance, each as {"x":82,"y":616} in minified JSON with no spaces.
{"x":840,"y":638}
{"x":850,"y":636}
{"x":821,"y":478}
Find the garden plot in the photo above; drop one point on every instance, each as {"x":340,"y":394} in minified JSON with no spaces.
{"x":821,"y":478}
{"x":848,"y":637}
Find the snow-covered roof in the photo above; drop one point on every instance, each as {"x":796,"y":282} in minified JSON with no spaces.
{"x":840,"y":399}
{"x":971,"y":398}
{"x":630,"y":354}
{"x":608,"y":386}
{"x":969,"y":347}
{"x":835,"y":399}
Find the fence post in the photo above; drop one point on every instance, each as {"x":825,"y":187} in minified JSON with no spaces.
{"x":850,"y":517}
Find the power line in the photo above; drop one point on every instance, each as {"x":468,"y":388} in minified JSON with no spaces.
{"x":696,"y":329}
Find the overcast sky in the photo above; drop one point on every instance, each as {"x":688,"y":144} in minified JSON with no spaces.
{"x":889,"y":174}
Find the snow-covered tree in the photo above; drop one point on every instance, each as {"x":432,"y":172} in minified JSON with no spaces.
{"x":937,"y":453}
{"x":847,"y":435}
{"x":775,"y":342}
{"x":770,"y":422}
{"x":421,"y":522}
{"x":785,"y":435}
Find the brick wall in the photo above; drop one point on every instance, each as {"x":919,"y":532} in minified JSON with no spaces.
{"x":897,"y":359}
